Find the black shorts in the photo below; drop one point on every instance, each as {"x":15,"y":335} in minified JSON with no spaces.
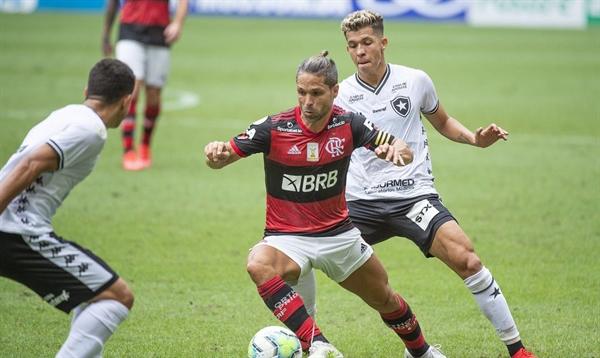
{"x":61,"y":272}
{"x":416,"y":219}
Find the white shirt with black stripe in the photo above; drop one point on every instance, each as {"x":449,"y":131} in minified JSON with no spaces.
{"x":394,"y":106}
{"x":78,"y":135}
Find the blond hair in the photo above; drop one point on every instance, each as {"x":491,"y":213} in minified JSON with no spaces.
{"x":361,"y":19}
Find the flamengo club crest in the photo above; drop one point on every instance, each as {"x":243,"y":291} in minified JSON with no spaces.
{"x":335,"y":146}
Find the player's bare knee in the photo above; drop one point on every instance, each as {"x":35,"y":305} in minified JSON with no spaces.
{"x":258,"y":271}
{"x":123,"y":294}
{"x":469,"y":265}
{"x":382,"y":302}
{"x":127,"y":297}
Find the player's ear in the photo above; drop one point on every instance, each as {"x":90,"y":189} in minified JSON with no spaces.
{"x":384,"y":43}
{"x":85,"y":92}
{"x":335,"y":90}
{"x":126,"y":101}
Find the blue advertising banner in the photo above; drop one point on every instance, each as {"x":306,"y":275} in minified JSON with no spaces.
{"x":71,"y":4}
{"x":512,"y":13}
{"x":448,"y":10}
{"x":439,"y":10}
{"x":28,"y":6}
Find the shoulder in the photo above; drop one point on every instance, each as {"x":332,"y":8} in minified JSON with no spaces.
{"x":349,"y":81}
{"x":81,"y":122}
{"x":406,"y":71}
{"x":288,"y":114}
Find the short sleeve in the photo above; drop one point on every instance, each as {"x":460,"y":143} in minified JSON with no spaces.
{"x":256,"y":139}
{"x":78,"y":142}
{"x":430,"y":102}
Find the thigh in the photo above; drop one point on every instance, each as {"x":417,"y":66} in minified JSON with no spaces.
{"x":453,"y":247}
{"x":418,"y":220}
{"x":59,"y":271}
{"x":134,"y":55}
{"x":159,"y":62}
{"x":288,"y":255}
{"x":340,"y":255}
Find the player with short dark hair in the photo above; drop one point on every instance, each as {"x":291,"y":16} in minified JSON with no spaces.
{"x":56,"y":155}
{"x":306,"y":153}
{"x":146,"y":33}
{"x":385,"y":200}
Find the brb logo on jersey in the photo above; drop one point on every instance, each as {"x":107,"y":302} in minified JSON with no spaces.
{"x":309,"y":183}
{"x":401,"y":105}
{"x":335,"y":146}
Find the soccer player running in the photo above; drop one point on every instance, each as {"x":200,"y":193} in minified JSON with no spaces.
{"x":56,"y":155}
{"x":306,"y":153}
{"x":146,"y":33}
{"x":385,"y":200}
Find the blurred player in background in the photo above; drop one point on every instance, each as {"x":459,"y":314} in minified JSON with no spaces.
{"x":386,"y":200}
{"x":56,"y":155}
{"x":145,"y":36}
{"x":306,"y":155}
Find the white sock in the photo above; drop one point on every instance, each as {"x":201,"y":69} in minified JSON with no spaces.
{"x":77,"y":311}
{"x":91,"y":327}
{"x":306,"y":287}
{"x":493,"y":305}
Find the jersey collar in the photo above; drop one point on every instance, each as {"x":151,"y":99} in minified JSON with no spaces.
{"x":382,"y":83}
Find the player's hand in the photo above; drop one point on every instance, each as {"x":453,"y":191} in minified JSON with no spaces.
{"x":486,"y":137}
{"x":107,"y":48}
{"x":398,"y":152}
{"x":172,"y":32}
{"x":217,"y":154}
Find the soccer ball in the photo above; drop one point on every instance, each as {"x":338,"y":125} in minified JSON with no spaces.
{"x":274,"y":342}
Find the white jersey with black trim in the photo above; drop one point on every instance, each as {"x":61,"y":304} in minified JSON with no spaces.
{"x":78,"y":135}
{"x":394,"y":106}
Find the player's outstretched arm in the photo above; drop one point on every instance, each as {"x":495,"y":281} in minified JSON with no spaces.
{"x":42,"y":160}
{"x":452,"y":129}
{"x":219,"y":154}
{"x":397,"y":152}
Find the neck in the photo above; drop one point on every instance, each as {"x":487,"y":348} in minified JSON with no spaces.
{"x":374,"y":78}
{"x":99,"y":108}
{"x":316,"y":126}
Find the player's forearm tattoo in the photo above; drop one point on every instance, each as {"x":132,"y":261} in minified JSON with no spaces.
{"x":463,"y":139}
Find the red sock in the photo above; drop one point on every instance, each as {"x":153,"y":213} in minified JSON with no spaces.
{"x":406,"y":326}
{"x":149,"y":123}
{"x":288,"y":307}
{"x":128,"y":129}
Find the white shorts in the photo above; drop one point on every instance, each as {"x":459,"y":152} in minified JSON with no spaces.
{"x":337,"y":256}
{"x":148,"y":62}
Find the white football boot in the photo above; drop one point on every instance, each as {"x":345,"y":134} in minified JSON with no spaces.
{"x":323,"y":350}
{"x":432,"y":352}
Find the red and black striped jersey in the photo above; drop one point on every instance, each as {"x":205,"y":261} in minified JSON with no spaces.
{"x":305,"y":172}
{"x":145,"y":21}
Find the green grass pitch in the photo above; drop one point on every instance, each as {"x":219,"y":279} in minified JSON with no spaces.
{"x":179,"y":232}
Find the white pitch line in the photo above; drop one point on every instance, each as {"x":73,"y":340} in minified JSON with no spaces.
{"x":174,"y":99}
